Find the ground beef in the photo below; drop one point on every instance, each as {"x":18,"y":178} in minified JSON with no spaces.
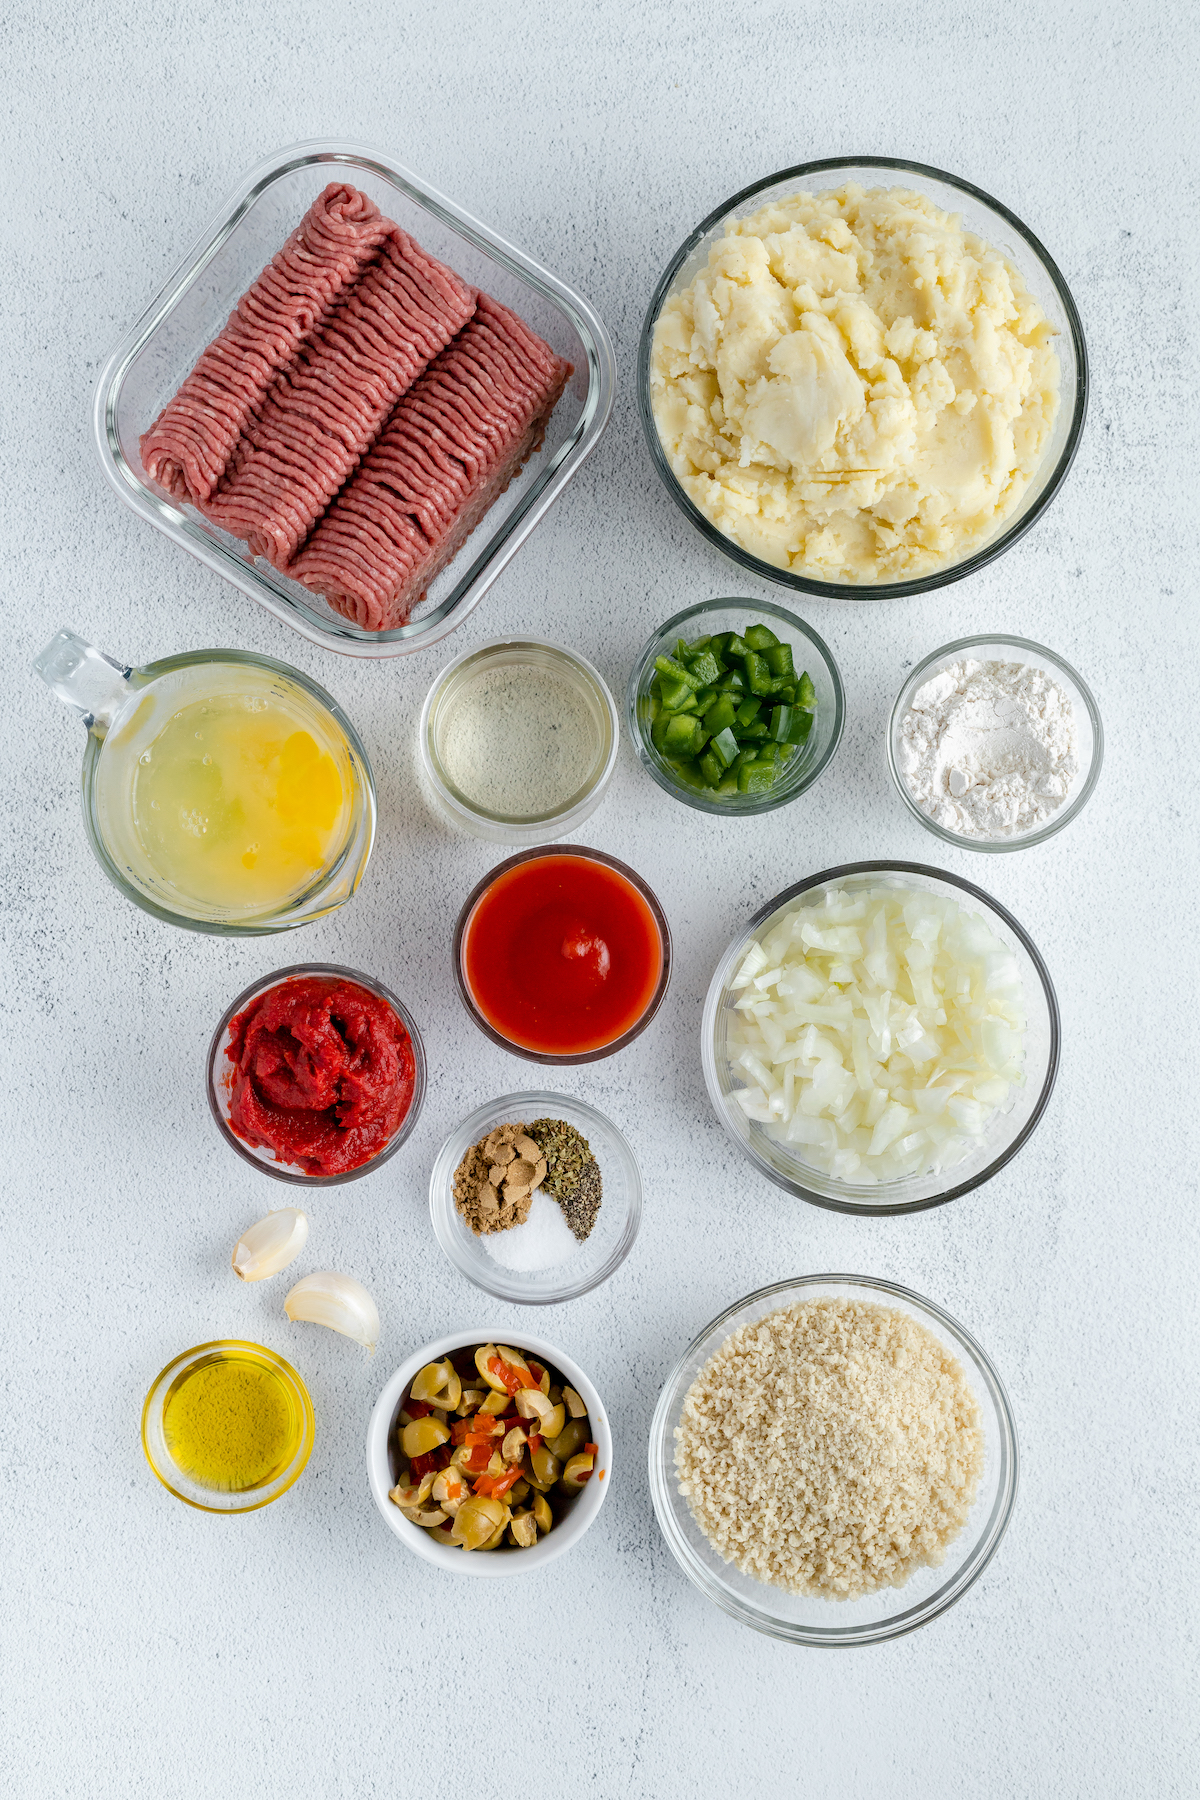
{"x":451,"y":447}
{"x":325,"y":408}
{"x":190,"y":443}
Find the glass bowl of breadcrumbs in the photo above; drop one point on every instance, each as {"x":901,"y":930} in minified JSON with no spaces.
{"x":833,"y":1460}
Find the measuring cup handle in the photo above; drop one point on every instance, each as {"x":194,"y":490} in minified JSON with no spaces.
{"x":84,"y":678}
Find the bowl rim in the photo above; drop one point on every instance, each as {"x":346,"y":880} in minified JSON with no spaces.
{"x":649,"y":757}
{"x":583,"y":853}
{"x":934,"y":1605}
{"x":881,"y":1209}
{"x":892,"y":590}
{"x":161,"y":1384}
{"x":494,"y":1566}
{"x":1071,"y":808}
{"x":356,"y":977}
{"x":477,"y":577}
{"x":584,"y":801}
{"x":442,"y":1209}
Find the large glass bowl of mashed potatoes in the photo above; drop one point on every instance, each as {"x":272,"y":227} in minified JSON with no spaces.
{"x":862,"y":378}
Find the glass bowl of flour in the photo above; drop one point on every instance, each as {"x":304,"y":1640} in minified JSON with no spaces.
{"x":995,"y":743}
{"x":518,"y":741}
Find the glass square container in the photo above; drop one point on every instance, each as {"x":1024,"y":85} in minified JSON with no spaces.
{"x":160,"y":350}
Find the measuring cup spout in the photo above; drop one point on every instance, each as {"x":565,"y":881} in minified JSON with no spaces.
{"x":84,"y":678}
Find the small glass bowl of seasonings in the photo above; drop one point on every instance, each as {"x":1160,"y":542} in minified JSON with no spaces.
{"x":536,"y":1198}
{"x":994,"y":743}
{"x":518,"y":741}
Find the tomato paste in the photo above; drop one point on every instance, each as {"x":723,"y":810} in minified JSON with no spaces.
{"x":323,"y":1074}
{"x":562,"y":955}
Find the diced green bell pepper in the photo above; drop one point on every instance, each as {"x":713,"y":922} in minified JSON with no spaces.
{"x":781,"y":723}
{"x":760,"y":637}
{"x":673,"y":692}
{"x":757,"y":728}
{"x":736,"y":648}
{"x":778,"y":658}
{"x":732,"y":680}
{"x":746,"y":714}
{"x":712,"y":769}
{"x":677,"y":671}
{"x":755,"y":777}
{"x":705,"y":670}
{"x":683,"y":735}
{"x":725,"y":746}
{"x":687,"y":771}
{"x":720,"y":714}
{"x":806,"y":694}
{"x":758,"y":676}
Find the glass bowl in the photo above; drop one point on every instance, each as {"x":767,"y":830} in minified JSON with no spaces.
{"x":1009,"y":1128}
{"x":611,"y":1237}
{"x":889,"y":1613}
{"x":982,"y":215}
{"x":585,"y":683}
{"x":999,"y":648}
{"x":545,"y":1056}
{"x":182,"y":1485}
{"x":154,"y":356}
{"x":809,"y":652}
{"x":383,"y":1462}
{"x":218,"y":1077}
{"x":122,"y":707}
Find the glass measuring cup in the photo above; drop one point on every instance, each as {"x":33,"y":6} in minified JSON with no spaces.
{"x":127,"y":713}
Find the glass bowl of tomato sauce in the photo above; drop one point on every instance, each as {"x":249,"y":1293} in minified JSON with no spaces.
{"x":562,"y":955}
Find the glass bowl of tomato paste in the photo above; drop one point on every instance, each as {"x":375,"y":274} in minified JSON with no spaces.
{"x":316,"y":1074}
{"x":562,"y":955}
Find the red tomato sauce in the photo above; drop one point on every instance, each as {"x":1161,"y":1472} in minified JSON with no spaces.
{"x":562,"y":955}
{"x":323,"y":1074}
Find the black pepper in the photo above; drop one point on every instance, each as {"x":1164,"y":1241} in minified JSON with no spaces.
{"x":572,"y":1172}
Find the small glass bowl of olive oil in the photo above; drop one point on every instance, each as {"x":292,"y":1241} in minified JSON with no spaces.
{"x":227,"y":1426}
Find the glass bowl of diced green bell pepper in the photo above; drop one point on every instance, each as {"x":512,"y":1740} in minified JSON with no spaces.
{"x":735,"y":706}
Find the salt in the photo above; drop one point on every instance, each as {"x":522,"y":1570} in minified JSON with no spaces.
{"x":542,"y":1242}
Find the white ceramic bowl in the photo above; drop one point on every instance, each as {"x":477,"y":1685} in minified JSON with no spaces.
{"x":488,"y":1564}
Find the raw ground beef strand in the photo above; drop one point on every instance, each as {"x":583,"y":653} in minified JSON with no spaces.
{"x":326,"y":407}
{"x":451,"y":447}
{"x":187,"y":448}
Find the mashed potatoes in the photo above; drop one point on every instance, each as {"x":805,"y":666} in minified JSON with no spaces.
{"x":855,"y":387}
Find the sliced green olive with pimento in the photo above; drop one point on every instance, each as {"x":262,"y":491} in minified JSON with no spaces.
{"x":479,"y":1463}
{"x":728,"y":711}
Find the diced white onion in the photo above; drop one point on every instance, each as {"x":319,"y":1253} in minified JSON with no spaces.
{"x":879,"y":1033}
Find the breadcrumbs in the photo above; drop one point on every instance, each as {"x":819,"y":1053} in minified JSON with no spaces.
{"x":830,"y":1448}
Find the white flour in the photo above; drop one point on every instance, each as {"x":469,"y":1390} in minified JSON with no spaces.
{"x":989,"y":749}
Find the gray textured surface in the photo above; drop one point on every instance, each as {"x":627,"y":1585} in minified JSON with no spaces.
{"x":151,"y":1650}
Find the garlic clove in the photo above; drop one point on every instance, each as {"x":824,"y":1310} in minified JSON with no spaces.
{"x":271,"y":1244}
{"x":337,"y":1301}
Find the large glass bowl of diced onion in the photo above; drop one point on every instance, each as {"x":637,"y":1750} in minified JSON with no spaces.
{"x":880,"y":1038}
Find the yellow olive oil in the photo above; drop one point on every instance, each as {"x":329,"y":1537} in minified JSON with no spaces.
{"x":231,"y":1423}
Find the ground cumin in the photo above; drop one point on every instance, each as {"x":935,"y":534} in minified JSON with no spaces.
{"x":494,"y":1182}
